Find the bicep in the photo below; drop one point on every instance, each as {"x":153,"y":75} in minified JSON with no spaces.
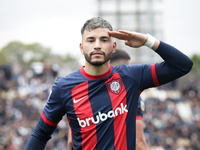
{"x":54,"y":109}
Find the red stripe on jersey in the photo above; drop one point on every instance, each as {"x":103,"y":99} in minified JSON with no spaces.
{"x":83,"y":111}
{"x":139,"y":93}
{"x":139,"y":117}
{"x":154,"y":76}
{"x":68,"y":119}
{"x":47,"y":121}
{"x":118,"y":101}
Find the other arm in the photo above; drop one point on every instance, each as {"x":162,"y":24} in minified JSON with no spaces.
{"x":49,"y":118}
{"x":69,"y":142}
{"x":140,"y":138}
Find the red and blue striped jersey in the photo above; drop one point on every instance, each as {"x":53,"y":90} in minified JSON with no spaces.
{"x":101,"y":110}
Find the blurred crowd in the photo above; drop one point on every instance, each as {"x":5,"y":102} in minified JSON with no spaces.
{"x":23,"y":95}
{"x":171,"y":119}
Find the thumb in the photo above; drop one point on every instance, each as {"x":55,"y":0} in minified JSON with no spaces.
{"x":127,"y":43}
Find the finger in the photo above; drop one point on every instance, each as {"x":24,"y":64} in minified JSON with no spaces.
{"x":127,"y":43}
{"x":114,"y":33}
{"x":118,"y":35}
{"x":125,"y":32}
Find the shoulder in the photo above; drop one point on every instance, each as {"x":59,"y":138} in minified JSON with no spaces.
{"x":68,"y":79}
{"x":129,"y":70}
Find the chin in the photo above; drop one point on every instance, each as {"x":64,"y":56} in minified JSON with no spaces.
{"x":97,"y":63}
{"x":97,"y":60}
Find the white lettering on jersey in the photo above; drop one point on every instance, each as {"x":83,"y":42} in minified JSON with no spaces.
{"x":103,"y":116}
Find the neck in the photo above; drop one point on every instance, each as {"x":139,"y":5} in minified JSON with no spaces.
{"x":96,"y":70}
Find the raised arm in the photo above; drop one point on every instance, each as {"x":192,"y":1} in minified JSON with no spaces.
{"x":175,"y":64}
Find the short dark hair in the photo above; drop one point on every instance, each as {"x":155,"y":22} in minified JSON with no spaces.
{"x":96,"y":22}
{"x":119,"y":55}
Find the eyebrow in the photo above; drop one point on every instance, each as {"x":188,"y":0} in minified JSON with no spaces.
{"x":107,"y":38}
{"x":90,"y":37}
{"x":102,"y":37}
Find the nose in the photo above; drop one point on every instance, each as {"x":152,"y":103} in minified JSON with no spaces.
{"x":97,"y":45}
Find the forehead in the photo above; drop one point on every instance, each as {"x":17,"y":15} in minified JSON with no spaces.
{"x":97,"y":33}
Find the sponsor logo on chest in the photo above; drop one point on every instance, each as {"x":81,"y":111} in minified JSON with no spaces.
{"x":103,"y":116}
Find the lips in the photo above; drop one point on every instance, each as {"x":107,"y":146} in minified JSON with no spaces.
{"x":97,"y":53}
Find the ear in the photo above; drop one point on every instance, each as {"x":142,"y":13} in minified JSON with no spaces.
{"x":114,"y":47}
{"x":81,"y":47}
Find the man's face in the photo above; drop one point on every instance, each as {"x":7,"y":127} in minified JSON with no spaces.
{"x":97,"y":46}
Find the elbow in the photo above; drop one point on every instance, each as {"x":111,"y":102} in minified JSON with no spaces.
{"x":185,"y":68}
{"x":189,"y":66}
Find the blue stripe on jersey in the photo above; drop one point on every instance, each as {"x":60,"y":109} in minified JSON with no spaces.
{"x":132,"y":104}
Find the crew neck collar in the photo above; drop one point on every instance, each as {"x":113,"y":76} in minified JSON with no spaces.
{"x":82,"y":70}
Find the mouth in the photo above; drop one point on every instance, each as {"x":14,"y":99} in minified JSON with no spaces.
{"x":97,"y":53}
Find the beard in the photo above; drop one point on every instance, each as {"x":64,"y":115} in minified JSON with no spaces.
{"x":107,"y":57}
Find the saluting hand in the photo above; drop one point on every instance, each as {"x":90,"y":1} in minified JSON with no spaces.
{"x":132,"y":39}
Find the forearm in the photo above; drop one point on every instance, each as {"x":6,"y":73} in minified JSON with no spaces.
{"x":35,"y":144}
{"x":141,"y":144}
{"x":140,"y":138}
{"x":173,"y":56}
{"x":41,"y":134}
{"x":170,"y":54}
{"x":175,"y":65}
{"x":69,"y":142}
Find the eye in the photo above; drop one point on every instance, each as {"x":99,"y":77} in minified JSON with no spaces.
{"x":104,"y":40}
{"x":90,"y":41}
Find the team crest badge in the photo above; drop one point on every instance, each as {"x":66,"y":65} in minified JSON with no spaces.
{"x":115,"y":86}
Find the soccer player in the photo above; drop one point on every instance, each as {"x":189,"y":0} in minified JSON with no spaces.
{"x":100,"y":100}
{"x":118,"y":58}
